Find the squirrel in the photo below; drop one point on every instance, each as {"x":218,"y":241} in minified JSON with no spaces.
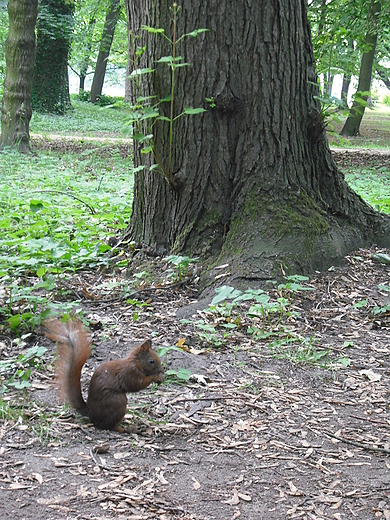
{"x":107,"y":401}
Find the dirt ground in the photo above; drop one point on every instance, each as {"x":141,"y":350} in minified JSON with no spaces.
{"x":256,"y":433}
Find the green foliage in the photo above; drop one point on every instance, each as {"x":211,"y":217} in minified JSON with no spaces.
{"x":147,"y":109}
{"x":181,"y":266}
{"x":332,"y":112}
{"x":54,"y":30}
{"x":85,"y":120}
{"x":178,"y":375}
{"x":264,"y":317}
{"x":339,"y":29}
{"x":385,"y":308}
{"x":8,"y":410}
{"x":16,"y":371}
{"x":386,"y":100}
{"x":303,"y":350}
{"x":372,"y":185}
{"x":45,"y":234}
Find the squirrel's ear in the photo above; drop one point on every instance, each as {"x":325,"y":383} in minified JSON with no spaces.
{"x":147,"y":345}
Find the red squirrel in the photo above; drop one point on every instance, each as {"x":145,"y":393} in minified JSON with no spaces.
{"x":107,"y":402}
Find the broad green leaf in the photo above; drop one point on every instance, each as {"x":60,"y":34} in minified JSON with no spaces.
{"x":141,"y":137}
{"x":196,"y":32}
{"x":152,"y":30}
{"x":36,"y":205}
{"x":140,"y":72}
{"x":193,"y":111}
{"x":225,"y":293}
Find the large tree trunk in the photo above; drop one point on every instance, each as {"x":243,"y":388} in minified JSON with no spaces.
{"x":51,"y":84}
{"x":19,"y":55}
{"x":352,"y":124}
{"x":112,"y":17}
{"x":253,"y":181}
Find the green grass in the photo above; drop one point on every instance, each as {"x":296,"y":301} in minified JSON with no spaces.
{"x":38,"y":217}
{"x":45,"y":232}
{"x":87,"y":120}
{"x":374,"y":130}
{"x":372,"y":185}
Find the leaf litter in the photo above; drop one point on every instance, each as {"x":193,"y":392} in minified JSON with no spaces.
{"x":254,"y":433}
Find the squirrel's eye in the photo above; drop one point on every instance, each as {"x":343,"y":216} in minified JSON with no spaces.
{"x":151,"y":361}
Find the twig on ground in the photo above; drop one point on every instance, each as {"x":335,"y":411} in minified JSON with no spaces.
{"x":368,"y":447}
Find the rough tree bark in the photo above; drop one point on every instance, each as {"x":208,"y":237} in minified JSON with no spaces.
{"x":256,"y":184}
{"x":352,"y":124}
{"x":112,"y":17}
{"x":19,"y":54}
{"x":51,"y":83}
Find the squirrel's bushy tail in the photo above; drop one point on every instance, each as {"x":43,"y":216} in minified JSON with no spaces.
{"x":74,"y":348}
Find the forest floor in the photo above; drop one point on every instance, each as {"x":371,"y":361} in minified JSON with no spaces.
{"x":261,"y":430}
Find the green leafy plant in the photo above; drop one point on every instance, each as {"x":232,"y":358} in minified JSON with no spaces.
{"x":138,"y":305}
{"x":178,"y":375}
{"x":261,"y":315}
{"x":180,"y":265}
{"x":44,"y":239}
{"x":371,"y":184}
{"x":147,"y":109}
{"x":17,"y":370}
{"x":385,"y":308}
{"x":8,"y":410}
{"x":332,"y":112}
{"x":302,"y":350}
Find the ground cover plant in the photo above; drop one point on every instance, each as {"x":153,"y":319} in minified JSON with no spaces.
{"x":57,"y":213}
{"x":276,"y":402}
{"x":86,"y":120}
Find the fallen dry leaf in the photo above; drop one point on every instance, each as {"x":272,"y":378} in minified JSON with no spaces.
{"x":234,"y":500}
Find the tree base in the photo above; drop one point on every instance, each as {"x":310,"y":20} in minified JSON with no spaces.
{"x":292,"y":237}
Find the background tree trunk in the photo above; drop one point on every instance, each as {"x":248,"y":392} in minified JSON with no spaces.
{"x":352,"y":124}
{"x":19,"y":54}
{"x":345,"y":88}
{"x":384,"y":75}
{"x":112,"y":17}
{"x":347,"y":77}
{"x":51,"y":85}
{"x":257,"y":187}
{"x":86,"y":60}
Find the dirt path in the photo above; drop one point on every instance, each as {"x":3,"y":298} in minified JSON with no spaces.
{"x":254,"y":434}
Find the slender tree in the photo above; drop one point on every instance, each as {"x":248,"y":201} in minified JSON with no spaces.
{"x":253,"y":183}
{"x":85,"y":60}
{"x":112,"y":17}
{"x":51,"y":84}
{"x":19,"y":53}
{"x":347,"y":77}
{"x":352,"y":124}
